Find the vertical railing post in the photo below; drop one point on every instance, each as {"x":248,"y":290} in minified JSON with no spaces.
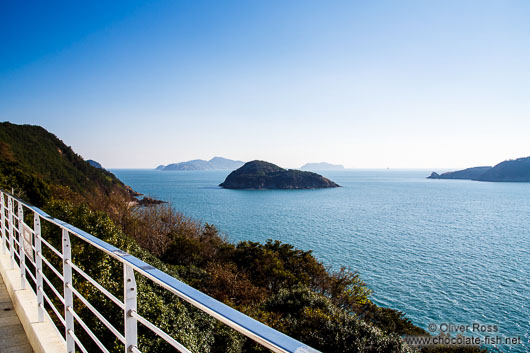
{"x":68,"y":294}
{"x":21,"y":252}
{"x":129,"y":299}
{"x":38,"y":266}
{"x":3,"y":223}
{"x":10,"y":221}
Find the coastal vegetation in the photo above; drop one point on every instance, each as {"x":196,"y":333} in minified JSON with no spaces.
{"x":279,"y":285}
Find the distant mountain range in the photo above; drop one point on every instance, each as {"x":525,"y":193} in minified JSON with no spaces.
{"x":216,"y":163}
{"x":514,"y":170}
{"x":322,"y":166}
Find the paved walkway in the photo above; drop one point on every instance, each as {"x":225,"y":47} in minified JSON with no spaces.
{"x":12,"y":336}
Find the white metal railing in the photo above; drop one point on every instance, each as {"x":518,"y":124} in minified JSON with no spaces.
{"x":25,"y":244}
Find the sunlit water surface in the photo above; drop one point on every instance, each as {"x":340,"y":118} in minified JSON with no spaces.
{"x":441,"y":251}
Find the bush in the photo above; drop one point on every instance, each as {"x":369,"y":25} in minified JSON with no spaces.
{"x":315,"y":320}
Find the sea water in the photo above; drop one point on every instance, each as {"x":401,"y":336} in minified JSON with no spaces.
{"x":445,"y":252}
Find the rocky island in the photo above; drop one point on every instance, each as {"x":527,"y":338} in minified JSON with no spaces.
{"x":264,"y":175}
{"x":514,"y":170}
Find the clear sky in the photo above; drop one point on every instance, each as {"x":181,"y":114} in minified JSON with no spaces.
{"x":367,"y":84}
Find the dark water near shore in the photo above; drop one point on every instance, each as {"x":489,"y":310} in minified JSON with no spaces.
{"x":442,"y":251}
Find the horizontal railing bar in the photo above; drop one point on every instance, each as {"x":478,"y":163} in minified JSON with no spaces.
{"x":57,"y":273}
{"x":17,"y":255}
{"x":28,"y":272}
{"x":27,"y":227}
{"x":57,"y":252}
{"x":97,"y":313}
{"x":52,"y":306}
{"x":26,"y":207}
{"x":30,"y":261}
{"x":265,"y":335}
{"x":159,"y":332}
{"x":79,"y":344}
{"x":96,"y":284}
{"x":87,"y":330}
{"x":55,"y":291}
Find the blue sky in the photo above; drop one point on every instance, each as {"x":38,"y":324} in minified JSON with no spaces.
{"x":399,"y":84}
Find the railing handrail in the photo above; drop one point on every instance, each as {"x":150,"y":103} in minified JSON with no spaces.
{"x":255,"y":330}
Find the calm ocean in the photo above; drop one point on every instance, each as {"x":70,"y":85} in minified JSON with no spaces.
{"x":441,"y":251}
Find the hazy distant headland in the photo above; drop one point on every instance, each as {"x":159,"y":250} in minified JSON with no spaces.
{"x":514,"y":170}
{"x":216,"y":163}
{"x":322,"y":166}
{"x":469,"y":173}
{"x":264,"y":175}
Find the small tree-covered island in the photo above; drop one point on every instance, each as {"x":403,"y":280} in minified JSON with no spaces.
{"x":265,"y":175}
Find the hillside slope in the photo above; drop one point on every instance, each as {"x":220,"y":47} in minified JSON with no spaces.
{"x":29,"y":152}
{"x":517,"y":170}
